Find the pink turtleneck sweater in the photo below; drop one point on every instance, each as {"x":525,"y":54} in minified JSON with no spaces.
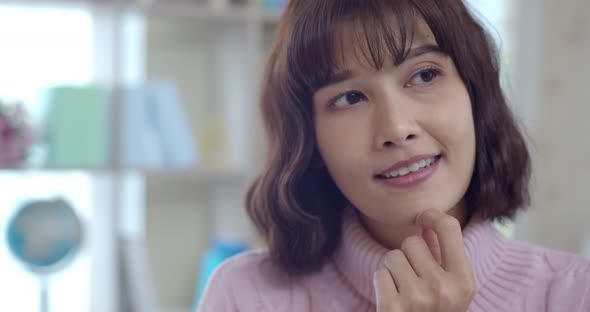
{"x":510,"y":276}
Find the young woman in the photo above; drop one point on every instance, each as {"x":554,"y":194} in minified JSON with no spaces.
{"x":391,"y":150}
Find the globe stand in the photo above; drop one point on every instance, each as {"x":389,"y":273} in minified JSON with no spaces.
{"x":44,"y":283}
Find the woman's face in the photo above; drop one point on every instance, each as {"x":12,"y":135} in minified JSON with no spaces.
{"x":378,"y":133}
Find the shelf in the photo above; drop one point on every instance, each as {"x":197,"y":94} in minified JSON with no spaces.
{"x":176,"y":8}
{"x":187,"y":309}
{"x":198,"y":177}
{"x":203,"y":11}
{"x":194,"y":175}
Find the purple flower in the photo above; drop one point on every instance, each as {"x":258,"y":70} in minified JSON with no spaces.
{"x":15,"y":135}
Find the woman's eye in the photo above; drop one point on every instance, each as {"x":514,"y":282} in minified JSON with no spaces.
{"x":424,"y":77}
{"x":348,"y":99}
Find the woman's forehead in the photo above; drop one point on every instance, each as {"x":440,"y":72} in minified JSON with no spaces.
{"x":352,"y":45}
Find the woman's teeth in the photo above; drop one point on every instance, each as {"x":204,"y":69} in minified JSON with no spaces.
{"x":400,"y":172}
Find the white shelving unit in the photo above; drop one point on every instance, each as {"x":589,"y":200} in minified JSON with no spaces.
{"x":215,"y":54}
{"x":218,"y":56}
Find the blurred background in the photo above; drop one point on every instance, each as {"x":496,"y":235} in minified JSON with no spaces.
{"x":129,"y":131}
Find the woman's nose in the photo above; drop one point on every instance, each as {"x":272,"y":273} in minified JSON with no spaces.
{"x":395,"y":122}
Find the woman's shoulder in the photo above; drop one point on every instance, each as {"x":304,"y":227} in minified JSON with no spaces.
{"x":559,"y":280}
{"x":564,"y":262}
{"x":569,"y":287}
{"x":241,"y":265}
{"x":229,"y":282}
{"x":553,"y":261}
{"x":249,"y":280}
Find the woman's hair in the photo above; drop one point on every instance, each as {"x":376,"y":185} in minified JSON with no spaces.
{"x":294,"y":203}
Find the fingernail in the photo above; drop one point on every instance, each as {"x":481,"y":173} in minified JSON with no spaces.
{"x":417,"y":220}
{"x":375,"y":278}
{"x":376,"y":282}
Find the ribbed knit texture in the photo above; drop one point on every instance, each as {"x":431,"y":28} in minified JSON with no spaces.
{"x":510,"y":276}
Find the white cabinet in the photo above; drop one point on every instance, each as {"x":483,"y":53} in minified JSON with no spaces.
{"x":215,"y":54}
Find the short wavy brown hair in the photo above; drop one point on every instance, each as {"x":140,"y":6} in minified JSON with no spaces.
{"x":294,"y":203}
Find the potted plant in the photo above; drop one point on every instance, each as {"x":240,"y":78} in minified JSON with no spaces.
{"x":15,"y":135}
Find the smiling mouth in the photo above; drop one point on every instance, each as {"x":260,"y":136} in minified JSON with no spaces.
{"x":412,"y":168}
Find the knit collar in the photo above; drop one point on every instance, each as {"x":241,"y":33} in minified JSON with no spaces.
{"x":359,"y":255}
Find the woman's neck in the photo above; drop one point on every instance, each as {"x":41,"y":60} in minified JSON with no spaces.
{"x":391,"y":237}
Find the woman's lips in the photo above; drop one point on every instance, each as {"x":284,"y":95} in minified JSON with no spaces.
{"x":412,"y":178}
{"x":408,"y":162}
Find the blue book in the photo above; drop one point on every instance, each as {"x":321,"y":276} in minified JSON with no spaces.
{"x":172,"y":126}
{"x":155,"y":130}
{"x":140,"y":147}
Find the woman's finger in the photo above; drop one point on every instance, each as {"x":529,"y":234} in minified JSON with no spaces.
{"x":433,"y":245}
{"x":402,"y":272}
{"x":450,"y":238}
{"x":419,"y":256}
{"x":386,"y":294}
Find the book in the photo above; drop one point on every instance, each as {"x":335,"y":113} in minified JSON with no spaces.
{"x":77,"y":129}
{"x":155,"y":129}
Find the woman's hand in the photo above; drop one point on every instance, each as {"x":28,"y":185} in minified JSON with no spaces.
{"x":418,"y":279}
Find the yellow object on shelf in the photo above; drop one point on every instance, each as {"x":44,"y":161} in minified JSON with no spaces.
{"x":214,"y":143}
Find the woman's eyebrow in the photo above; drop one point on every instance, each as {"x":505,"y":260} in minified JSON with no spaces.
{"x":421,"y":50}
{"x":344,"y":75}
{"x":338,"y":77}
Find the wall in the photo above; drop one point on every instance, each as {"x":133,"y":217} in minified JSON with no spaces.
{"x":557,"y":110}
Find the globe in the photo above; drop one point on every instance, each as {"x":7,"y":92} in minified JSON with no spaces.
{"x":45,"y":235}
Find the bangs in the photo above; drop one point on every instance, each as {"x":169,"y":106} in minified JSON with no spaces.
{"x":378,"y":29}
